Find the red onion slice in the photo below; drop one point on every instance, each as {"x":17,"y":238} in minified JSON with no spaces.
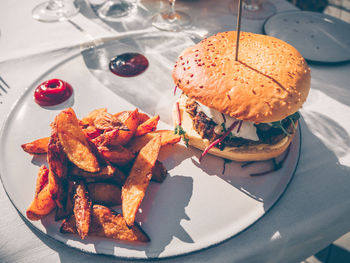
{"x":239,"y":126}
{"x":178,"y":113}
{"x":206,"y":150}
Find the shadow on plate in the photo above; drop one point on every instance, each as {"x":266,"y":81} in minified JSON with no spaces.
{"x":151,"y":90}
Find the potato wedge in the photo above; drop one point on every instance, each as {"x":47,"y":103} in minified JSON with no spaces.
{"x":91,"y":132}
{"x":107,"y":173}
{"x":130,"y":120}
{"x":74,"y":142}
{"x":42,"y":179}
{"x":121,"y":115}
{"x":142,"y":117}
{"x":137,"y":182}
{"x":67,"y":209}
{"x":105,"y":138}
{"x":118,"y":154}
{"x":105,"y":193}
{"x":91,"y":117}
{"x":68,"y":225}
{"x":43,"y":203}
{"x":147,"y":126}
{"x":159,"y":172}
{"x":57,"y":170}
{"x":167,"y":137}
{"x":82,"y":209}
{"x":109,"y":224}
{"x":107,"y":122}
{"x":38,"y":146}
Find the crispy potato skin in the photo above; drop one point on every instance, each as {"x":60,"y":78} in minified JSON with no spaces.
{"x":105,"y":223}
{"x":43,"y":203}
{"x":99,"y":161}
{"x":117,"y":154}
{"x":167,"y":137}
{"x":67,"y":209}
{"x":107,"y":173}
{"x":57,"y":170}
{"x":91,"y":117}
{"x":105,"y":138}
{"x":68,"y":225}
{"x":130,"y":120}
{"x":41,"y":206}
{"x":91,"y":132}
{"x":82,"y":209}
{"x":159,"y":172}
{"x":38,"y":146}
{"x":107,"y":122}
{"x":142,"y":117}
{"x":147,"y":126}
{"x":137,"y":182}
{"x":42,"y":179}
{"x":105,"y":193}
{"x":74,"y":141}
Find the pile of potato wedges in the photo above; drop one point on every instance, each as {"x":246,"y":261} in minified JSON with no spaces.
{"x":95,"y":163}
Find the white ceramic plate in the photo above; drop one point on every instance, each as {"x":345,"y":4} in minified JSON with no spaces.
{"x":318,"y":37}
{"x":197,"y":206}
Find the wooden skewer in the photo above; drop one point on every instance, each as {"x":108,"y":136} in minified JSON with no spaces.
{"x":238,"y":28}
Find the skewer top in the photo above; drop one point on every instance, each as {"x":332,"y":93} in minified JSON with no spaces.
{"x":238,"y":28}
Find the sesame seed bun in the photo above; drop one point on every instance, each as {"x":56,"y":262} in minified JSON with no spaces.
{"x":269,"y":82}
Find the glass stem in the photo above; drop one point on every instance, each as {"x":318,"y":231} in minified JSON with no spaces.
{"x":54,"y":4}
{"x":171,"y":11}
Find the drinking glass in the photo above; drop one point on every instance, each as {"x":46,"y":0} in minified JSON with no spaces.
{"x":254,"y":9}
{"x":55,"y":10}
{"x":171,"y":20}
{"x":113,"y":10}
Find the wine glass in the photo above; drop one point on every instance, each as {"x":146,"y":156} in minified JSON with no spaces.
{"x":113,"y":10}
{"x":254,"y":9}
{"x":171,"y":20}
{"x":55,"y":10}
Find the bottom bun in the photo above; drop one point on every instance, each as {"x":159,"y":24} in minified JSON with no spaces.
{"x":241,"y":154}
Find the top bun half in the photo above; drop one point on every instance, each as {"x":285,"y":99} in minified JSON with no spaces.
{"x":269,"y":82}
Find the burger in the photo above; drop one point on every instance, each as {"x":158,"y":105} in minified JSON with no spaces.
{"x":244,"y":109}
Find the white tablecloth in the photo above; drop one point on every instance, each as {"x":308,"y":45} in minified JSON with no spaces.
{"x":314,"y":210}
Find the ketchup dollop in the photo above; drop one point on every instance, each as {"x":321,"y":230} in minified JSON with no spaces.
{"x":52,"y":92}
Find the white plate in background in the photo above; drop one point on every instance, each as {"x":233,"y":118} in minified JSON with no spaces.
{"x":318,"y":37}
